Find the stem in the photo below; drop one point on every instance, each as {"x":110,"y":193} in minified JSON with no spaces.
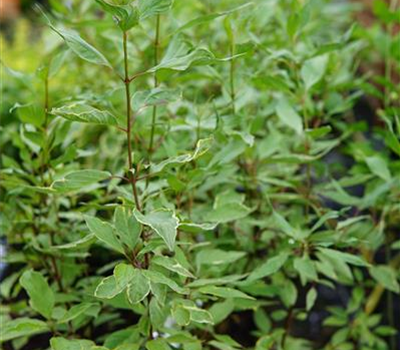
{"x":288,"y":324}
{"x":132,"y":177}
{"x":388,"y":66}
{"x":232,"y":76}
{"x":307,"y":150}
{"x":46,"y":102}
{"x":154,"y":116}
{"x":46,"y":120}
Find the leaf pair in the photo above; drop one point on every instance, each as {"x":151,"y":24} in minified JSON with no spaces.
{"x":137,"y":283}
{"x":128,"y":15}
{"x":123,"y":234}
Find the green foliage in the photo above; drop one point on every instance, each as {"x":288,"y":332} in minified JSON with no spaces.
{"x":173,"y":168}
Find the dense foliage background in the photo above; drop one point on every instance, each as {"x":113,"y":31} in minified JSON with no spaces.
{"x":201,"y":174}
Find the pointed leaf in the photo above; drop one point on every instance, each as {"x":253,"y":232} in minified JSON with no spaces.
{"x":153,"y":7}
{"x":128,"y":228}
{"x":138,"y":288}
{"x":41,"y":296}
{"x":154,"y":97}
{"x":80,"y":112}
{"x":77,"y":180}
{"x":289,"y":116}
{"x":306,"y":268}
{"x":180,"y":56}
{"x":107,"y":288}
{"x":21,"y":327}
{"x":104,"y":232}
{"x":313,"y":70}
{"x":83,"y":49}
{"x":311,"y":298}
{"x":76,"y":311}
{"x":163,"y":222}
{"x":386,"y":276}
{"x":202,"y":147}
{"x":228,"y":212}
{"x":379,"y":167}
{"x":224,"y":292}
{"x":270,"y":267}
{"x":157,"y":277}
{"x":172,"y":265}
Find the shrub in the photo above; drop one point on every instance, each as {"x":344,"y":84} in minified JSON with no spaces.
{"x":197,"y":175}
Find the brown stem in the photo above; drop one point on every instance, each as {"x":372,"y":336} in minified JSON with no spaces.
{"x":288,"y":324}
{"x":132,"y":177}
{"x":154,"y":116}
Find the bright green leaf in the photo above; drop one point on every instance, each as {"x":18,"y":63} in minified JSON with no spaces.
{"x":21,"y":327}
{"x":163,"y":222}
{"x":83,"y":113}
{"x":313,"y":70}
{"x":41,"y":296}
{"x":289,"y":116}
{"x":104,"y":232}
{"x":128,"y":228}
{"x":386,"y":276}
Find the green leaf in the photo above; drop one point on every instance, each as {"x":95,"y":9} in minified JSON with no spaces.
{"x":79,"y":244}
{"x":31,"y":113}
{"x":228,"y":212}
{"x":379,"y":167}
{"x":79,"y":179}
{"x":346,"y":257}
{"x":210,"y":17}
{"x":154,"y":97}
{"x":288,"y":293}
{"x":270,"y":267}
{"x":199,"y":315}
{"x":224,"y":292}
{"x":126,"y":15}
{"x":180,"y":56}
{"x":138,"y":288}
{"x":220,"y":311}
{"x":386,"y":276}
{"x":202,"y":147}
{"x":83,"y":113}
{"x":197,"y":228}
{"x":153,"y":7}
{"x":58,"y":343}
{"x":306,"y":268}
{"x":41,"y":296}
{"x":163,"y":222}
{"x":313,"y":70}
{"x":385,"y":331}
{"x":181,"y":315}
{"x":289,"y":116}
{"x":157,"y":277}
{"x":83,"y":49}
{"x":104,"y":232}
{"x":172,"y":265}
{"x":284,"y":225}
{"x":319,"y":132}
{"x":21,"y":327}
{"x":157,"y":344}
{"x":128,"y":228}
{"x":76,"y":311}
{"x":311,"y":298}
{"x":124,"y":274}
{"x":218,"y":257}
{"x":107,"y":288}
